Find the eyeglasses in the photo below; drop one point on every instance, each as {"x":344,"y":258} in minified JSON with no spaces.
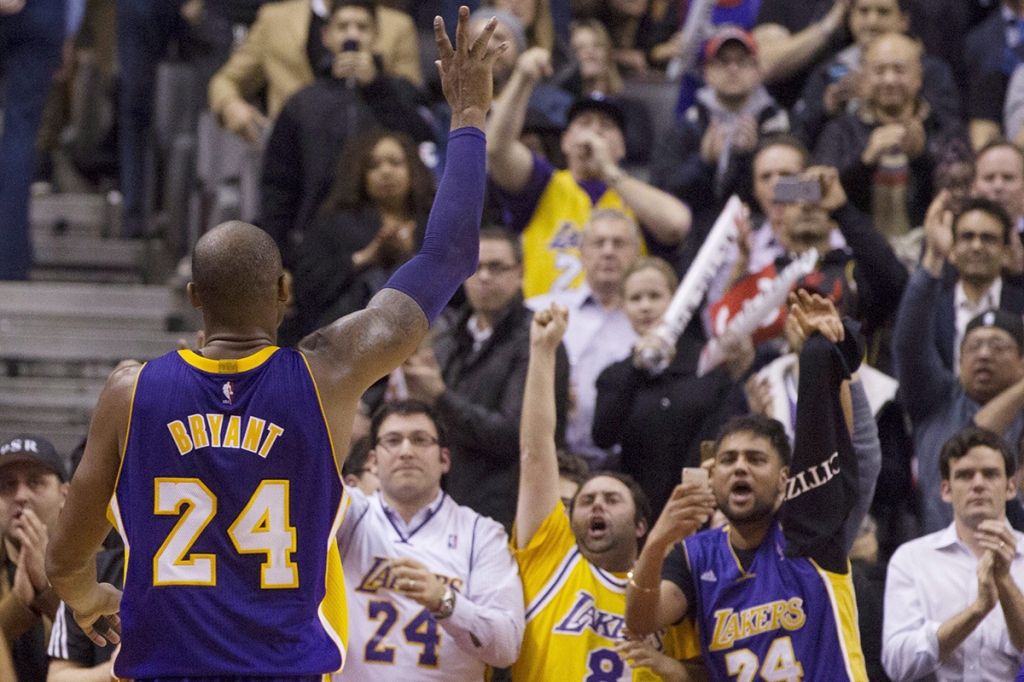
{"x":417,"y":439}
{"x":496,"y":267}
{"x":995,"y":345}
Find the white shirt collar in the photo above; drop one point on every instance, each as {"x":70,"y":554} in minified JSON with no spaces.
{"x":948,"y":537}
{"x":479,"y":335}
{"x":418,"y":518}
{"x":988,"y":301}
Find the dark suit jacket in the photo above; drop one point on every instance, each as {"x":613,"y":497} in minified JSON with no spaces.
{"x":1011,"y":299}
{"x":481,"y":405}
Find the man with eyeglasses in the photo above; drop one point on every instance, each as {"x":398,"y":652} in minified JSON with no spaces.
{"x":473,"y":376}
{"x":433,"y":591}
{"x":991,"y":352}
{"x":977,"y":245}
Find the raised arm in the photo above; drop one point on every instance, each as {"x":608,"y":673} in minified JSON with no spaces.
{"x":347,"y":356}
{"x":509,"y":161}
{"x":538,"y":463}
{"x":997,"y":414}
{"x":82,"y":526}
{"x":868,"y":450}
{"x":924,"y":381}
{"x":784,"y":54}
{"x":817,"y":508}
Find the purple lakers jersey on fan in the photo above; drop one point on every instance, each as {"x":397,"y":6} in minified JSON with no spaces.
{"x":784,"y":618}
{"x":228,"y":501}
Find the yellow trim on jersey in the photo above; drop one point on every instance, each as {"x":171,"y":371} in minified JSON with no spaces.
{"x":575,"y":610}
{"x":228,"y":366}
{"x":844,"y":609}
{"x":333,"y":610}
{"x":323,"y":413}
{"x":113,"y":506}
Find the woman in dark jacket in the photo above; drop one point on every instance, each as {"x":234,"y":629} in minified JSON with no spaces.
{"x":661,"y":419}
{"x":371,"y":222}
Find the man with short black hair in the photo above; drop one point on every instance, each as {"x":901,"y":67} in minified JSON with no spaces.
{"x":978,"y":246}
{"x":432,"y":587}
{"x":283,"y":53}
{"x":781,"y":562}
{"x":574,"y":560}
{"x":317,"y":122}
{"x":938,"y":402}
{"x":33,"y":485}
{"x":962,"y":617}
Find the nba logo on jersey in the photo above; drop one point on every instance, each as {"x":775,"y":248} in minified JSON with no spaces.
{"x":453,"y":541}
{"x":229,"y":392}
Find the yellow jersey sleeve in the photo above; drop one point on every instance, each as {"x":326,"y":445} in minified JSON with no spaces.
{"x":545,"y":551}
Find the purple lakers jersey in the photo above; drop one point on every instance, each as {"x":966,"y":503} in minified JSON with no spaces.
{"x":228,"y":500}
{"x":785,"y":618}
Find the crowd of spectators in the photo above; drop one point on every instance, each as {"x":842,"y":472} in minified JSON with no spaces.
{"x":903,"y":117}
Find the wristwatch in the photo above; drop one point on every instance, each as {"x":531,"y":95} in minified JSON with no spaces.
{"x":447,"y":605}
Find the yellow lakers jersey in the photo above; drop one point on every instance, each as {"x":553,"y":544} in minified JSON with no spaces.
{"x":551,"y":240}
{"x":575,"y":614}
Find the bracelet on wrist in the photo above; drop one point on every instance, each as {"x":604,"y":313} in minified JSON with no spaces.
{"x":632,"y":583}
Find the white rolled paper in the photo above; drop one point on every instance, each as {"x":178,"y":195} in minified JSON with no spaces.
{"x":695,"y":284}
{"x":756,"y":309}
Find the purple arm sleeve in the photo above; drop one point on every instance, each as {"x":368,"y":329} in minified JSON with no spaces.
{"x":451,"y":245}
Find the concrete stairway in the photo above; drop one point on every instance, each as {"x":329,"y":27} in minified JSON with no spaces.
{"x":74,"y":239}
{"x":59,"y":341}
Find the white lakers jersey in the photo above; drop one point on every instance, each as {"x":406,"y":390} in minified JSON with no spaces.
{"x":392,"y":637}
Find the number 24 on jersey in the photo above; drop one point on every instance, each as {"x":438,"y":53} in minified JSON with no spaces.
{"x":262,"y":527}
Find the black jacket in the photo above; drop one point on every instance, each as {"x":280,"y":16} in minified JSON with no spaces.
{"x":938,"y":88}
{"x":310,"y":133}
{"x":678,"y":167}
{"x":660,"y":420}
{"x":1011,"y":299}
{"x":325,"y":284}
{"x":844,"y":140}
{"x":481,"y":406}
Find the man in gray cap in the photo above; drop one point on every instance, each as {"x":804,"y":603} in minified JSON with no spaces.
{"x":33,"y":484}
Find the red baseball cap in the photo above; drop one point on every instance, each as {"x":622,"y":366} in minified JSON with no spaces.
{"x":724,"y":35}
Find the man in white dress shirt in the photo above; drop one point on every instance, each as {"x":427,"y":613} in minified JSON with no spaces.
{"x":599,"y":333}
{"x":433,"y":591}
{"x":953,"y":606}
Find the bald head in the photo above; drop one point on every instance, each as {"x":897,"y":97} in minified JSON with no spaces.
{"x":892,"y":73}
{"x":235,"y":271}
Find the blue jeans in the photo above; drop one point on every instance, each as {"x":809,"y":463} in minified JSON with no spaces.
{"x":144,"y":30}
{"x":30,"y":50}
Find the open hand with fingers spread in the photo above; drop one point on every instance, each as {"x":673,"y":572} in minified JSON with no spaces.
{"x":466,"y":70}
{"x":815,"y":314}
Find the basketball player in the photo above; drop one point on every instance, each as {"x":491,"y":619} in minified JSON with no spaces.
{"x":771,"y":592}
{"x":433,"y":590}
{"x":574,"y":568}
{"x":218,"y":468}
